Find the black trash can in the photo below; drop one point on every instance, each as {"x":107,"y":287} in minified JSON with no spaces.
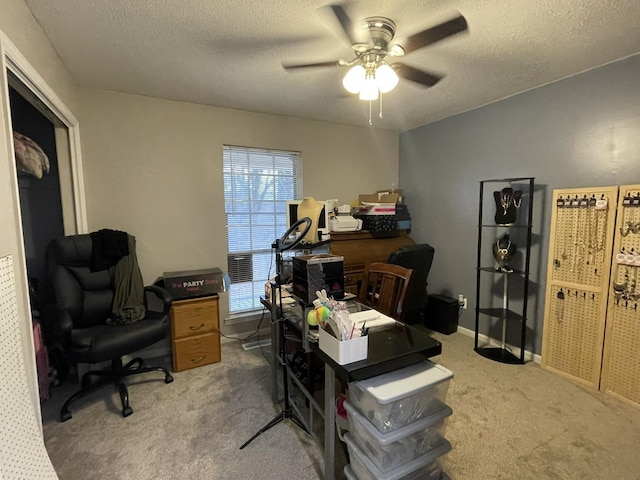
{"x":441,"y":314}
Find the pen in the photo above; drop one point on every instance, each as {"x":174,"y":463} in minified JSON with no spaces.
{"x":362,"y":332}
{"x":352,"y":328}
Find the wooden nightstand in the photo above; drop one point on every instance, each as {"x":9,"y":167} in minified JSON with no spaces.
{"x":195,"y":333}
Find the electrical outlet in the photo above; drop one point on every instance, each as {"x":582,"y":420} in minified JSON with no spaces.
{"x":462,"y":301}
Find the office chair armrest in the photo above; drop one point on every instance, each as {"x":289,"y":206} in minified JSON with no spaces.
{"x":162,"y":295}
{"x":57,"y":324}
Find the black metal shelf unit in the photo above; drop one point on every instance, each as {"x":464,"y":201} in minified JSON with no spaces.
{"x":492,"y":275}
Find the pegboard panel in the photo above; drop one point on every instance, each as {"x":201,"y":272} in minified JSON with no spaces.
{"x":578,"y":272}
{"x":574,"y":333}
{"x":582,"y":232}
{"x":22,"y":451}
{"x":621,"y":366}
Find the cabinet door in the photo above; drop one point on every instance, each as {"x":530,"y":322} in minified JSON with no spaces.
{"x":621,"y":368}
{"x":578,"y":271}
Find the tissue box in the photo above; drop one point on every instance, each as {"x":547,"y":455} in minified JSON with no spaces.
{"x":345,"y":351}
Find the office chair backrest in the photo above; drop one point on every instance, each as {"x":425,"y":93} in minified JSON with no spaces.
{"x":86,"y":295}
{"x":384,"y":287}
{"x":419,"y":258}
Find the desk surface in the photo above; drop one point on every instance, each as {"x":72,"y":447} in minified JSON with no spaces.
{"x":390,"y":348}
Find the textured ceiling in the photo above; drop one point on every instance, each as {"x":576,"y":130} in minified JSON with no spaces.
{"x":229,"y":53}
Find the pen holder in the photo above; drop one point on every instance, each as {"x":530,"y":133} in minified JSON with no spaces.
{"x":345,"y":351}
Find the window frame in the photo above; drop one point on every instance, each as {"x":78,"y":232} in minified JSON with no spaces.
{"x":257,"y":184}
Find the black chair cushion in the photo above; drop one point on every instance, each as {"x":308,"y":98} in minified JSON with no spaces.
{"x":105,"y":342}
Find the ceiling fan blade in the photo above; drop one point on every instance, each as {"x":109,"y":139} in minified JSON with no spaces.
{"x":435,"y":34}
{"x":345,"y":22}
{"x":288,"y":66}
{"x":414,"y":75}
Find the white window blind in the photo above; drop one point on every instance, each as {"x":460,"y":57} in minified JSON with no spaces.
{"x":257,"y":184}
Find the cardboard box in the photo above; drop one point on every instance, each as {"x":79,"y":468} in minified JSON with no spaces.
{"x":381,"y":196}
{"x":345,"y":351}
{"x":195,"y":283}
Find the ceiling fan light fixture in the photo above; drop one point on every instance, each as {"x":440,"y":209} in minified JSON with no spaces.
{"x":369,"y":89}
{"x":386,"y":78}
{"x":354,"y":79}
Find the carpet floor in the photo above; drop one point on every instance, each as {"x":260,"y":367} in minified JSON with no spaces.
{"x":508,"y":422}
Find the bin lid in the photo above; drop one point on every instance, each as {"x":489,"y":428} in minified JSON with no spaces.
{"x":392,"y":386}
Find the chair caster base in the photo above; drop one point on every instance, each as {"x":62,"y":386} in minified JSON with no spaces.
{"x":65,"y":415}
{"x":168,"y":378}
{"x":127,"y":411}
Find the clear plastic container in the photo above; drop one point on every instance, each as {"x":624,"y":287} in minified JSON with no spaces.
{"x":401,"y":397}
{"x":390,"y":450}
{"x":425,"y":467}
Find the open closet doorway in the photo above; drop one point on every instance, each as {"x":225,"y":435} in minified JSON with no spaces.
{"x":43,"y":206}
{"x":38,"y":177}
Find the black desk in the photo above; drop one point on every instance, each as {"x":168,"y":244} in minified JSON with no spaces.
{"x":389,"y":349}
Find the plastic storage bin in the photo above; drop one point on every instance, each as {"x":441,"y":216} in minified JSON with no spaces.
{"x":425,"y":467}
{"x":391,"y":450}
{"x":398,"y":398}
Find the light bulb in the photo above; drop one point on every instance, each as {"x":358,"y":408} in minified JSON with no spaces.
{"x":386,"y":78}
{"x":354,"y":79}
{"x":369,"y":89}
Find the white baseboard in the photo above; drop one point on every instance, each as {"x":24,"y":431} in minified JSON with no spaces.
{"x":528,"y":355}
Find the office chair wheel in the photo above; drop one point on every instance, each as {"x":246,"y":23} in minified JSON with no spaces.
{"x":126,"y":411}
{"x":168,"y":378}
{"x":65,"y":415}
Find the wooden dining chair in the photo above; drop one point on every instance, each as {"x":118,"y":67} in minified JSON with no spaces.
{"x":384,"y":288}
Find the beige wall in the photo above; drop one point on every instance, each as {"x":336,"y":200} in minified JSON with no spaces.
{"x":20,"y":29}
{"x":154,"y":168}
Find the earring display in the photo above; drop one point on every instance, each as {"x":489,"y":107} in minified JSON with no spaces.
{"x":508,"y":202}
{"x":578,"y":272}
{"x":620,"y":367}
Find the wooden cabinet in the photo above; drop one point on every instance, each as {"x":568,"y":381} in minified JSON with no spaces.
{"x":361,"y":248}
{"x":195,"y":332}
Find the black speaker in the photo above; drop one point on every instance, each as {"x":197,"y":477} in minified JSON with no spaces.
{"x":441,"y":314}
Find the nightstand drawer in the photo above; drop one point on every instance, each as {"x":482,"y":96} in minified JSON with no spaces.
{"x":196,"y":351}
{"x":194,"y":317}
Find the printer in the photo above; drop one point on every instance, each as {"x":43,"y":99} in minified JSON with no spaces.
{"x":345,"y":223}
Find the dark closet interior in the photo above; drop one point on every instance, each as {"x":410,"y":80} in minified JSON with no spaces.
{"x":40,"y":199}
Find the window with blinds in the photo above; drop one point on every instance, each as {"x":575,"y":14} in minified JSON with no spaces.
{"x":257,"y":185}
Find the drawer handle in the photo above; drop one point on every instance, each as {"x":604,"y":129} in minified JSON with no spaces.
{"x":198,"y":360}
{"x":194,"y":328}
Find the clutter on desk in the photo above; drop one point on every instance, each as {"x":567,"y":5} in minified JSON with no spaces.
{"x":338,"y":336}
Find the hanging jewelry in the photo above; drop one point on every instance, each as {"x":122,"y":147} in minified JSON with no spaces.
{"x":506,"y":197}
{"x":560,"y":306}
{"x":517,"y":198}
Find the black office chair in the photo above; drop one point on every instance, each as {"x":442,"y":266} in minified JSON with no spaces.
{"x":76,"y":319}
{"x":419,"y":258}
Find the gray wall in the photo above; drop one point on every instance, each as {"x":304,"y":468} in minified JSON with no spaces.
{"x":583,"y":131}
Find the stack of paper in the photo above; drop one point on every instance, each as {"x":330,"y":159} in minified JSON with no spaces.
{"x":371,"y":319}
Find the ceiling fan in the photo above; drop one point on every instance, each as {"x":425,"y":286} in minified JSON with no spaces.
{"x":371,"y":72}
